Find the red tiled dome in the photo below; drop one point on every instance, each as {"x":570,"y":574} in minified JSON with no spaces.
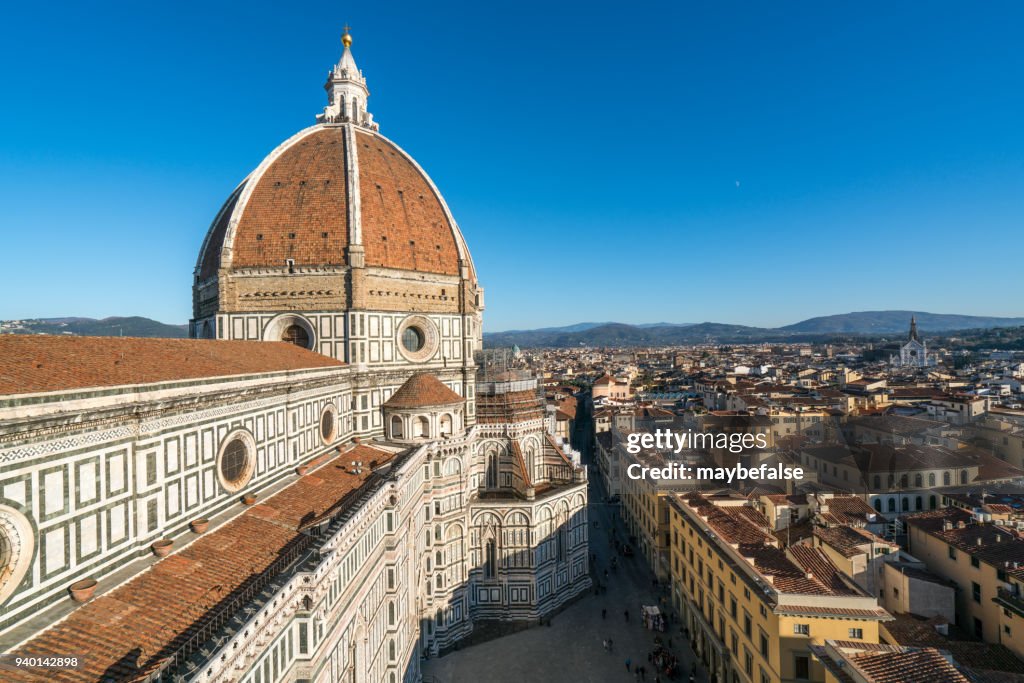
{"x":423,"y":390}
{"x":297,"y":205}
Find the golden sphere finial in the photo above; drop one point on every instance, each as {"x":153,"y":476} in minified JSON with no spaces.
{"x":346,"y":38}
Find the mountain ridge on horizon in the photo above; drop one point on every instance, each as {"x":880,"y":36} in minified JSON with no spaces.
{"x":113,"y":326}
{"x":889,"y":322}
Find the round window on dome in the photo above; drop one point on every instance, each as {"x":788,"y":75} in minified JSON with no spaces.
{"x":413,"y":339}
{"x":296,"y":334}
{"x":236,"y":462}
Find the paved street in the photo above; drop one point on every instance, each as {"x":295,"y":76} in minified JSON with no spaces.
{"x":571,"y":649}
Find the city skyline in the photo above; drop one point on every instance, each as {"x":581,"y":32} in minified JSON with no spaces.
{"x":859,"y":143}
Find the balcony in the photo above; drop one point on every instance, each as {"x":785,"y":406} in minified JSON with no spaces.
{"x":1010,"y":599}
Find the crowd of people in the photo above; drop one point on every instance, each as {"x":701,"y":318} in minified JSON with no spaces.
{"x":662,"y":663}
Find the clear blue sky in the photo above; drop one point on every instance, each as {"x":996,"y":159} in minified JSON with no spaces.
{"x":755,"y":163}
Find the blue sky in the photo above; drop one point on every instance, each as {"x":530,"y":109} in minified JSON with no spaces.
{"x":755,"y":163}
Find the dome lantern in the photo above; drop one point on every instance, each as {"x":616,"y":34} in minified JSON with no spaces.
{"x":346,"y":91}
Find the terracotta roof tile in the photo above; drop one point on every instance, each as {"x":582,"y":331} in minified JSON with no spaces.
{"x":300,"y":197}
{"x":298,"y":209}
{"x":421,"y":390}
{"x":41,"y":363}
{"x":404,"y":224}
{"x":134,"y":627}
{"x":912,"y":666}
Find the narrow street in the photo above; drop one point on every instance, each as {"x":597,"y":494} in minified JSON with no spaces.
{"x":571,"y":649}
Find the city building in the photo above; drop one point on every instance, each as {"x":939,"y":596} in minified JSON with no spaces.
{"x":913,"y":353}
{"x":753,"y":609}
{"x":328,"y":482}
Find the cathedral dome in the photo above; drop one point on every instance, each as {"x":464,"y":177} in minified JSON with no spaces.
{"x":336,"y":194}
{"x":339,"y":242}
{"x":326,"y":189}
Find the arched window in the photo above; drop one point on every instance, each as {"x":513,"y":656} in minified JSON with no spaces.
{"x":440,"y":581}
{"x":918,"y":503}
{"x":931,"y":502}
{"x":392,"y":654}
{"x":391,"y":614}
{"x":396,"y":427}
{"x":492,"y":471}
{"x":446,"y":425}
{"x":878,"y":504}
{"x":490,"y":559}
{"x":892,"y":505}
{"x":905,"y":504}
{"x":931,"y":479}
{"x":438,"y":559}
{"x":963,"y":476}
{"x":946,"y":479}
{"x":903,"y":481}
{"x":918,"y":480}
{"x":420,"y":427}
{"x":878,"y":482}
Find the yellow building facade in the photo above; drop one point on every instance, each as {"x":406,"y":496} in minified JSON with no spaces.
{"x":752,"y":609}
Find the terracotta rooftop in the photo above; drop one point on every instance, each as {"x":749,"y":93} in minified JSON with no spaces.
{"x":999,"y":546}
{"x":297,"y":208}
{"x":849,"y":541}
{"x":41,"y":363}
{"x":798,"y":569}
{"x":906,"y":629}
{"x":905,"y":665}
{"x":847,"y":510}
{"x":422,"y":390}
{"x":130,"y":630}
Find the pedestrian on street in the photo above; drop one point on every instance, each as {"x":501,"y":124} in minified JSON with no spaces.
{"x":611,"y":645}
{"x":626,"y":614}
{"x":604,"y":613}
{"x":604,"y":644}
{"x":628,"y":663}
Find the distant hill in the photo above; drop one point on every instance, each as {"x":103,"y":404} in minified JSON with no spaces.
{"x":889,"y":322}
{"x":866,"y":323}
{"x":133,"y":326}
{"x":619,"y":334}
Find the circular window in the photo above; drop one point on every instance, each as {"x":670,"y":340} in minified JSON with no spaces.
{"x":295,"y":334}
{"x":292,"y":329}
{"x":236,"y":462}
{"x":16,"y":546}
{"x":412,"y":339}
{"x":417,"y":338}
{"x":328,"y":424}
